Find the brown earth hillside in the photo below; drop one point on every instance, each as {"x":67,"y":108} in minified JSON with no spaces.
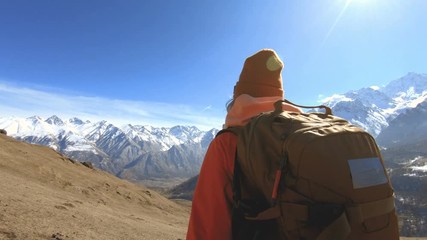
{"x":44,"y":195}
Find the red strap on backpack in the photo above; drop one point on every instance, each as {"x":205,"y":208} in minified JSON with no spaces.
{"x":276,"y":186}
{"x":278,"y":178}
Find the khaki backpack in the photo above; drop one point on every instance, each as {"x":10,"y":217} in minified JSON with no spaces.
{"x":310,"y":176}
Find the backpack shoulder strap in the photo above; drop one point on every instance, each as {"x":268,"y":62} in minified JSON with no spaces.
{"x":237,"y":215}
{"x":237,"y":170}
{"x":234,"y":130}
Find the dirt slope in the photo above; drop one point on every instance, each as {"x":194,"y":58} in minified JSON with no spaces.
{"x":44,"y":195}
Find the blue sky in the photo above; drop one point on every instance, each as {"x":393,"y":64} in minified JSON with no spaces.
{"x":168,"y":62}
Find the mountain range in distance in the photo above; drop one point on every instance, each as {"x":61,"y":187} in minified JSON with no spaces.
{"x":373,"y":108}
{"x":137,"y":153}
{"x":159,"y":155}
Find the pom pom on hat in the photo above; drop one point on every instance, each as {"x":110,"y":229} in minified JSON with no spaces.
{"x":261,"y":75}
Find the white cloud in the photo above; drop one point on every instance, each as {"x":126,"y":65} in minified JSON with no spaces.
{"x":207,"y":108}
{"x":25,"y":102}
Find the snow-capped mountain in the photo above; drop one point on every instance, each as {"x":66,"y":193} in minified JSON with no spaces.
{"x":407,"y":128}
{"x":130,"y":151}
{"x":373,"y":108}
{"x":143,"y":152}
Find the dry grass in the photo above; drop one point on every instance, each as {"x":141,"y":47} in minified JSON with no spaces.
{"x":44,"y":195}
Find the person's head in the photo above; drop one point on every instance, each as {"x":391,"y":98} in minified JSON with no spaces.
{"x":261,"y":76}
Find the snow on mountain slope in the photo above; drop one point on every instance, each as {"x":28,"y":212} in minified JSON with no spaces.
{"x":116,"y":148}
{"x":409,"y":127}
{"x":410,"y":86}
{"x":374,"y":107}
{"x":49,"y":132}
{"x":76,"y":129}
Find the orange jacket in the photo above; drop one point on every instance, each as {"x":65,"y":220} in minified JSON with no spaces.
{"x":210,"y":217}
{"x":213,"y":198}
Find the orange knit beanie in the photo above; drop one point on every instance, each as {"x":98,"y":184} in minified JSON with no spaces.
{"x":261,"y":75}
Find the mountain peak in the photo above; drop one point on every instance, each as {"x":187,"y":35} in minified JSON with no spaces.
{"x":54,"y":120}
{"x":379,"y":105}
{"x":185,"y":133}
{"x":35,"y":119}
{"x":414,"y":75}
{"x":410,"y":85}
{"x":77,"y":121}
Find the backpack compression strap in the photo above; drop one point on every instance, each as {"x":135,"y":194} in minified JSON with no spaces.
{"x":278,"y":106}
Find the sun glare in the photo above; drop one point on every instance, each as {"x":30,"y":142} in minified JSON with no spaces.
{"x":359,"y":1}
{"x":331,"y":29}
{"x":365,"y":6}
{"x":366,"y":3}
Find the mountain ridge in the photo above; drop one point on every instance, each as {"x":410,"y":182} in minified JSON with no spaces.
{"x":149,"y":154}
{"x":372,"y":108}
{"x":119,"y":150}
